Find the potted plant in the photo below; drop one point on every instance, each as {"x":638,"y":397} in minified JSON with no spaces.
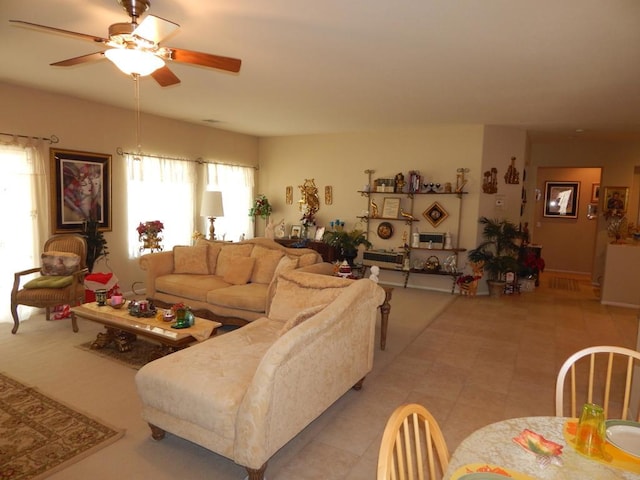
{"x":347,"y":242}
{"x":498,"y":251}
{"x":261,"y":207}
{"x":96,"y":243}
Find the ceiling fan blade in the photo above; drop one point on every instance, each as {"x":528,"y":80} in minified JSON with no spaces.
{"x":204,"y":59}
{"x":77,"y":60}
{"x":165,"y":77}
{"x":155,"y":29}
{"x":84,"y":36}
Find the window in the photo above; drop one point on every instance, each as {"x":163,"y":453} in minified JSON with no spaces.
{"x":236,"y":184}
{"x":23,"y":186}
{"x":160,"y":189}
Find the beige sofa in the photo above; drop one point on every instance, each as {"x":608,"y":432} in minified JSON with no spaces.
{"x":246,"y":393}
{"x":224,"y":281}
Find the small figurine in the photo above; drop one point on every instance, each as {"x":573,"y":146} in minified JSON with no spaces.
{"x":399,"y":183}
{"x":374,"y":210}
{"x":375,"y":271}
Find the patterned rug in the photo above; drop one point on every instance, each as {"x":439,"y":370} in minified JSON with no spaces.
{"x":40,"y":436}
{"x":135,"y":358}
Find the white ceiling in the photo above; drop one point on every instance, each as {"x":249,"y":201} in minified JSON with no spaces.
{"x":332,"y":66}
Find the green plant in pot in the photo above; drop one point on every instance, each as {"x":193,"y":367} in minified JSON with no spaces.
{"x":498,"y":251}
{"x":96,"y":243}
{"x":347,"y":242}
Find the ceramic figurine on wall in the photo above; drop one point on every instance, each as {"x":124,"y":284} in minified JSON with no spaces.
{"x":512,"y":177}
{"x":328,"y":195}
{"x":490,"y":182}
{"x":289,"y":195}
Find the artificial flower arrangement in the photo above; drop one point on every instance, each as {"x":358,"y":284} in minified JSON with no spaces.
{"x":152,"y":228}
{"x":346,"y":241}
{"x":261,"y":207}
{"x":308,"y":220}
{"x":531,"y":265}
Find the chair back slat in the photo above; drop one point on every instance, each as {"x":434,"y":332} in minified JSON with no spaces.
{"x":608,"y":381}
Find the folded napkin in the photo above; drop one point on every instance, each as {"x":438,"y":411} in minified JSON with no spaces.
{"x":535,"y":443}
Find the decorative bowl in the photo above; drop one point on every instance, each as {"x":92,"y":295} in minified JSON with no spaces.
{"x":116,"y":305}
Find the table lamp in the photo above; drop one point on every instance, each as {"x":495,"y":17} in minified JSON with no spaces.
{"x":211,"y":207}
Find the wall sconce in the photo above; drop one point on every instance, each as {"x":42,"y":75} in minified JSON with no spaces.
{"x":212,"y":207}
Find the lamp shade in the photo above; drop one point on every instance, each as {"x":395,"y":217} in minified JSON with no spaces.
{"x":211,"y":205}
{"x":130,"y":61}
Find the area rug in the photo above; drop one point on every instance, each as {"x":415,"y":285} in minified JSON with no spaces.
{"x":40,"y":436}
{"x":560,"y":283}
{"x":135,"y":358}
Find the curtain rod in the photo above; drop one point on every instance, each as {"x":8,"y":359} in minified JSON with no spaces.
{"x":52,"y":139}
{"x":198,"y":160}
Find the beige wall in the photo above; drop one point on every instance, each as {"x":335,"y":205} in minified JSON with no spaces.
{"x":339,"y":160}
{"x":618,"y":161}
{"x":93,"y":127}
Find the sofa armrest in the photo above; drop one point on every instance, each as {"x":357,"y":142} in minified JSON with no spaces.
{"x":305,"y":371}
{"x":323,"y":268}
{"x":156,"y":265}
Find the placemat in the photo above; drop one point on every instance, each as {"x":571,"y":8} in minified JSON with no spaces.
{"x":619,"y":459}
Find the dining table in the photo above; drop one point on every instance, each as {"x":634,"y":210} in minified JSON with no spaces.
{"x":492,"y":448}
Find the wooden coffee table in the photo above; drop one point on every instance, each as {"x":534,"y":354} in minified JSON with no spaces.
{"x":122,"y":329}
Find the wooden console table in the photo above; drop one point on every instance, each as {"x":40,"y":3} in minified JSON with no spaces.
{"x":329,"y":253}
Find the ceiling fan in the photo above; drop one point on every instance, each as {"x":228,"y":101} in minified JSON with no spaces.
{"x":135,"y":49}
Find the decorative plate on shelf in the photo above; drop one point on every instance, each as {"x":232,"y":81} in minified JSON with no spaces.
{"x":385,"y":230}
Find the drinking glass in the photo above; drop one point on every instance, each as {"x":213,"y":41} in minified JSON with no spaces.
{"x":101,"y":297}
{"x":590,"y":434}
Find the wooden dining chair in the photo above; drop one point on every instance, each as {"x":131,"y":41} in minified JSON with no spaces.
{"x":412,"y":446}
{"x":601,"y":375}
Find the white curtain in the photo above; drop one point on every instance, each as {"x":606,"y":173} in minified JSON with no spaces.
{"x":24,"y":199}
{"x":160,"y":189}
{"x":236,"y":184}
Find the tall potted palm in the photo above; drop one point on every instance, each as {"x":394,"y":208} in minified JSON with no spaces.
{"x":498,"y":251}
{"x":347,"y":242}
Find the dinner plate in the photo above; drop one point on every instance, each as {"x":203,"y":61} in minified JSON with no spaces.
{"x":482,"y":476}
{"x":625,"y":435}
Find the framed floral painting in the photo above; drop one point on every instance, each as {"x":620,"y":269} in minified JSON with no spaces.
{"x":80,"y":190}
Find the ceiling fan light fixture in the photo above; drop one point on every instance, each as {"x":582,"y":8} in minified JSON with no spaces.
{"x":132,"y":61}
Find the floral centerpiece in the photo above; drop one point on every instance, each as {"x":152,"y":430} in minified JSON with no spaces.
{"x":531,"y":265}
{"x":148,"y":234}
{"x":261,"y":207}
{"x":308,"y":220}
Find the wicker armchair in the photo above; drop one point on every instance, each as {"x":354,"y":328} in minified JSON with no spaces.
{"x":46,"y":298}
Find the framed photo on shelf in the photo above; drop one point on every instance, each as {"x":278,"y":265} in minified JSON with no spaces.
{"x":616,"y":200}
{"x":80,"y":190}
{"x":391,"y":207}
{"x":296,"y":230}
{"x":561,"y":199}
{"x":319,"y":233}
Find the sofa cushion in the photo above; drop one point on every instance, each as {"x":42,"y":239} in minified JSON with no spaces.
{"x":302,"y":316}
{"x":59,"y":263}
{"x":189,"y":286}
{"x":252,"y":297}
{"x":267,"y":260}
{"x":285,"y":264}
{"x":190,"y":259}
{"x":212,"y":257}
{"x":240,"y":274}
{"x":296,"y":291}
{"x":228,"y":255}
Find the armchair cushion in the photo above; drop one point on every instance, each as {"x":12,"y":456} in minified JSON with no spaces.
{"x":59,"y":263}
{"x":50,"y":281}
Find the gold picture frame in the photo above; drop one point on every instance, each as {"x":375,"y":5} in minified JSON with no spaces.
{"x":435,"y":214}
{"x":615,"y":201}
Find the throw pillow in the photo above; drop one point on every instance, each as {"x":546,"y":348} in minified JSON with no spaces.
{"x":50,"y":281}
{"x":190,"y":260}
{"x":212,"y":255}
{"x":285,"y":264}
{"x":230,"y":254}
{"x":266,"y":262}
{"x":240,"y":273}
{"x":301,"y":317}
{"x":59,"y":263}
